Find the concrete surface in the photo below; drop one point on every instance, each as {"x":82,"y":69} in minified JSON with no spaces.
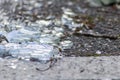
{"x":68,"y":68}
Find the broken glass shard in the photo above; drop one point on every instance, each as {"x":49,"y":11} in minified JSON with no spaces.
{"x":41,"y":52}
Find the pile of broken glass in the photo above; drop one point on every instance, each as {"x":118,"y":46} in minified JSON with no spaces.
{"x":39,"y":40}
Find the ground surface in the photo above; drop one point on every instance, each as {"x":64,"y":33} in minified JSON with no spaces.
{"x":106,"y":21}
{"x":68,"y":68}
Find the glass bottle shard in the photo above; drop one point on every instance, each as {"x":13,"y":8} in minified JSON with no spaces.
{"x":41,"y":52}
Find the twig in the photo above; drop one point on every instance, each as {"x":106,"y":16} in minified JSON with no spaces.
{"x":52,"y":62}
{"x":96,"y":35}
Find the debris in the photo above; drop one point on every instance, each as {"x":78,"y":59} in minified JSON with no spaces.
{"x":67,"y":44}
{"x":22,"y":35}
{"x":52,"y":63}
{"x":3,"y":38}
{"x":42,"y":52}
{"x":98,"y":52}
{"x":114,"y":37}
